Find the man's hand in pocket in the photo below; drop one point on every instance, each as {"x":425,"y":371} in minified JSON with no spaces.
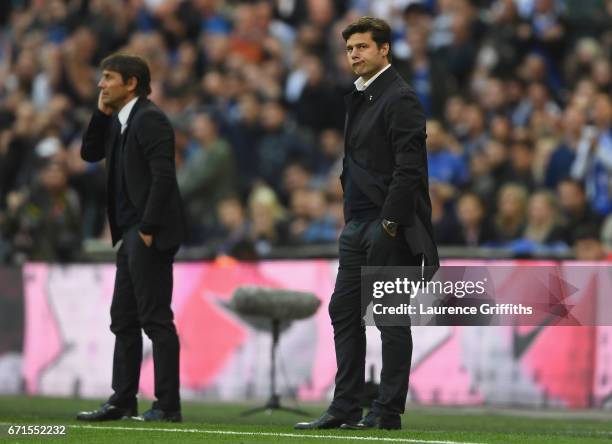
{"x":146,"y":238}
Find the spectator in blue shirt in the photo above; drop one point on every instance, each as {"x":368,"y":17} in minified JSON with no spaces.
{"x":593,"y":162}
{"x":446,"y":167}
{"x":561,"y":159}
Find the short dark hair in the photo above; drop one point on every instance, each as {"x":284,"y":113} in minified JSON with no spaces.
{"x":129,"y":66}
{"x":417,"y":8}
{"x":586,"y":232}
{"x":380,"y":30}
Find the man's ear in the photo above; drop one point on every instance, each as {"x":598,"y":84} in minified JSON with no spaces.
{"x":132,"y":84}
{"x":384,"y":48}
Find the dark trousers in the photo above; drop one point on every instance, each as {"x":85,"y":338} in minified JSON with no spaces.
{"x":141,"y":300}
{"x":364,"y":243}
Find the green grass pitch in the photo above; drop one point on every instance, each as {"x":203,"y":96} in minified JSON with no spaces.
{"x":222,"y":423}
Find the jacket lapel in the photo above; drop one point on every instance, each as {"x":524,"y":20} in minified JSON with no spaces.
{"x":115,"y":139}
{"x":350,"y":102}
{"x":378,"y":87}
{"x":119,"y":139}
{"x":135,"y":108}
{"x":372,"y":92}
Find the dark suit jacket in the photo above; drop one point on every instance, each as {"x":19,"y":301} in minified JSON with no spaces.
{"x":149,"y":169}
{"x":385,"y":152}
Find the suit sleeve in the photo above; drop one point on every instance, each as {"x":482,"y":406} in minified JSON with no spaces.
{"x":156,"y":137}
{"x":406,"y":134}
{"x":94,"y":139}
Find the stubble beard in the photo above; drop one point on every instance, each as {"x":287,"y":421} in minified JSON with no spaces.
{"x":116,"y":104}
{"x":358,"y":69}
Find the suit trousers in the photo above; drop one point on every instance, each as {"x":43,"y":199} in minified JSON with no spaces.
{"x":141,"y":300}
{"x":365,"y":243}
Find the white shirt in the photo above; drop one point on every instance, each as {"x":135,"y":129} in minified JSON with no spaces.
{"x":125,"y":113}
{"x":361,"y":84}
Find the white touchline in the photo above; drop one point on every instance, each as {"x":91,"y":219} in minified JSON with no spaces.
{"x":276,"y":435}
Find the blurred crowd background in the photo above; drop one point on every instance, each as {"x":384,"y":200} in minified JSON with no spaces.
{"x":517,"y":94}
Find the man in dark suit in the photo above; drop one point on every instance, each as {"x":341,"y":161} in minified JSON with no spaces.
{"x":145,"y":213}
{"x":388,"y":222}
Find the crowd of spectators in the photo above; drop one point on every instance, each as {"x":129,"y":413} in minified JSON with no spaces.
{"x":517,"y":95}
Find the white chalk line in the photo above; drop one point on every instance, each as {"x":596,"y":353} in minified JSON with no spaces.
{"x":292,"y":435}
{"x":275,"y":435}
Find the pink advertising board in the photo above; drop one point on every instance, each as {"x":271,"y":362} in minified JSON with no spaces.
{"x":68,"y":345}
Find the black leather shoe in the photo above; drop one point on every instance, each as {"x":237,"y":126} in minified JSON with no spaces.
{"x":325,"y":421}
{"x":373,"y":420}
{"x":108,"y":412}
{"x":161,"y":415}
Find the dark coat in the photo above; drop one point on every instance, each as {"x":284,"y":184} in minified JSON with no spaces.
{"x":385,"y":152}
{"x":149,"y":169}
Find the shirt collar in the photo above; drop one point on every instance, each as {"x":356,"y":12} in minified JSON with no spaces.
{"x":361,"y":84}
{"x":124,"y":114}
